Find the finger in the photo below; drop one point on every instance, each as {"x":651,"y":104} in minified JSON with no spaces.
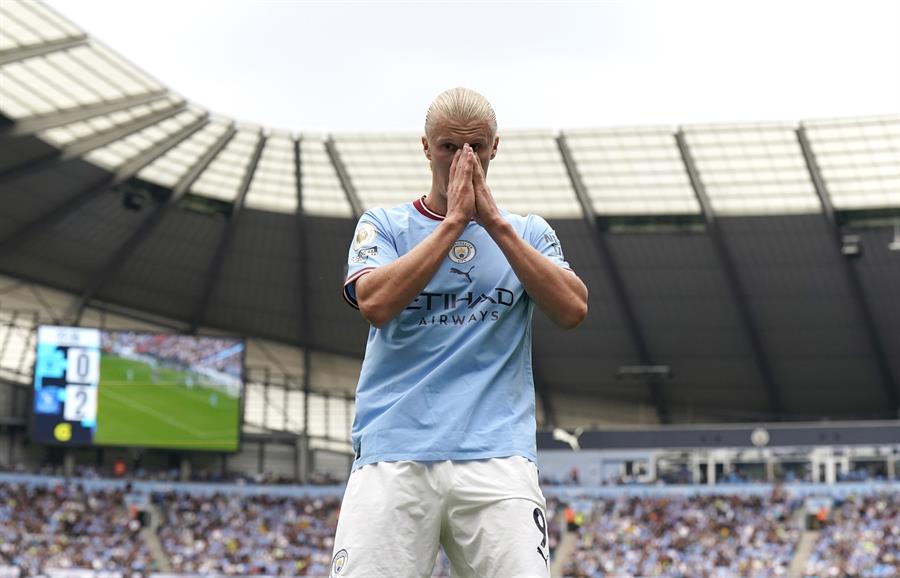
{"x":478,"y":170}
{"x":477,"y":174}
{"x":467,"y":166}
{"x":455,"y":164}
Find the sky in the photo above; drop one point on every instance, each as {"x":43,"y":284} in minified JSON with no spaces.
{"x":376,"y":66}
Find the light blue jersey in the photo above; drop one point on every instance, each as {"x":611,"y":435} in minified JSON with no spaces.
{"x":449,"y":378}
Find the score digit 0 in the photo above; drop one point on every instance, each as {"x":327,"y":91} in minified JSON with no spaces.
{"x":83,"y":365}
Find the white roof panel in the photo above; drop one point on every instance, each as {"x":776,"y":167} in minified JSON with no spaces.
{"x":7,"y":42}
{"x":528,"y":176}
{"x":20,"y":13}
{"x":11,"y":107}
{"x":322,"y":191}
{"x":23,"y":96}
{"x":23,"y":73}
{"x":859,"y":160}
{"x":170,"y":168}
{"x":386,"y":169}
{"x":752,"y":169}
{"x":633,"y":171}
{"x":274,"y":184}
{"x":223,"y":177}
{"x":746,"y":169}
{"x":117,"y":153}
{"x":68,"y":79}
{"x":117,"y":63}
{"x":18,"y":31}
{"x":69,"y":134}
{"x":77,"y":63}
{"x":52,"y":18}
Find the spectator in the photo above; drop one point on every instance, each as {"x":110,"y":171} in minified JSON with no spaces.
{"x":861,"y":540}
{"x":67,"y":527}
{"x":687,"y":537}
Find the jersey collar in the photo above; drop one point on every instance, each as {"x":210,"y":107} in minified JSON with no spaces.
{"x":420,"y":206}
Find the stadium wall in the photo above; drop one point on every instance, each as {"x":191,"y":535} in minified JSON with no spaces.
{"x":798,"y":490}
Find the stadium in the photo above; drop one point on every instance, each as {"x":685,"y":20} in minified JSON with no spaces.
{"x":729,"y":407}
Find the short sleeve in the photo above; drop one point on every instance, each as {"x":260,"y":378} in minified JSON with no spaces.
{"x":542,"y":237}
{"x":372,"y":246}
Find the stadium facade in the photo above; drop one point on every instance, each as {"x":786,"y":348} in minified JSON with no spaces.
{"x":737,"y":272}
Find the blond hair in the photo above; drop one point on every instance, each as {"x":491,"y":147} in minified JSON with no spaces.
{"x":462,"y":104}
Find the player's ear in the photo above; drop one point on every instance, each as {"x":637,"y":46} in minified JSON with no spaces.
{"x":494,"y":148}
{"x":425,"y":148}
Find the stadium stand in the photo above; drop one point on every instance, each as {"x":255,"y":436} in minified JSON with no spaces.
{"x":123,"y":205}
{"x":69,"y":527}
{"x":862,"y":540}
{"x":50,"y":527}
{"x":717,"y":536}
{"x":229,"y":535}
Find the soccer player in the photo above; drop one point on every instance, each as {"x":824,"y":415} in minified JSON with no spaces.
{"x":444,"y":433}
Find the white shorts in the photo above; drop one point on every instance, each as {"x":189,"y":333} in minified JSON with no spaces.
{"x":489,"y":515}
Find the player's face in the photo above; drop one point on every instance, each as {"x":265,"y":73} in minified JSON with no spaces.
{"x":450,"y":135}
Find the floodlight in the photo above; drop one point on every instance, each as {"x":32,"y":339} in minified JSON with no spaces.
{"x":644,"y":371}
{"x":895,"y":244}
{"x":850,"y":246}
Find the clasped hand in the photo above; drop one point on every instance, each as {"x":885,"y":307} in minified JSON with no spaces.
{"x":468,"y":195}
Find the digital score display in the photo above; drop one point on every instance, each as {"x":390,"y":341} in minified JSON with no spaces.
{"x":66,"y":379}
{"x":120,"y":388}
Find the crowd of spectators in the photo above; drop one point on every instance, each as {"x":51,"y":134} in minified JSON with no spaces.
{"x":877,"y":473}
{"x":687,"y":537}
{"x":716,"y":536}
{"x":733,"y":474}
{"x":266,"y":478}
{"x":191,"y":351}
{"x":570,"y":478}
{"x":248,"y":535}
{"x":861,"y":540}
{"x":82,"y":472}
{"x":67,"y":527}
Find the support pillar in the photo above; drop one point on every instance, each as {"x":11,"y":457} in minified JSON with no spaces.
{"x":68,"y":465}
{"x":695,"y":468}
{"x":184,"y":469}
{"x":303,"y":456}
{"x":830,"y":470}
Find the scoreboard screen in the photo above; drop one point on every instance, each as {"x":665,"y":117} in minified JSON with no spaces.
{"x":121,"y":388}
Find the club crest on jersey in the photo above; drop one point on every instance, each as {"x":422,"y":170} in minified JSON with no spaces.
{"x":462,"y":252}
{"x":365,"y":234}
{"x":339,"y":562}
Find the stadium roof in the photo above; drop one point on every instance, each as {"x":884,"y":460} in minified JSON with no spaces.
{"x":736,"y":271}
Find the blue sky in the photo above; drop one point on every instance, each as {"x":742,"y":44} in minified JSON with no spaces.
{"x":366,"y":66}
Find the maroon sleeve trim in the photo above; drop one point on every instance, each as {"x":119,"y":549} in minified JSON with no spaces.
{"x":350,"y":280}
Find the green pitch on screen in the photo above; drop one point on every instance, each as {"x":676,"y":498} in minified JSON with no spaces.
{"x":138,"y":405}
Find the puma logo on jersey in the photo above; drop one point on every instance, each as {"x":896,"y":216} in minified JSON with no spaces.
{"x":463,"y":273}
{"x":562,"y":435}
